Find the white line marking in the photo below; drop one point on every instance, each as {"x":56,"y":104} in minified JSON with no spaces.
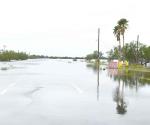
{"x":77,"y":89}
{"x":4,"y":91}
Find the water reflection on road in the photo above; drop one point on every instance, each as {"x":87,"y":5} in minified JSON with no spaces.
{"x":64,"y":92}
{"x":125,"y":78}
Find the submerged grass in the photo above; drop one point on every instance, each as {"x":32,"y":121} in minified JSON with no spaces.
{"x":139,"y":69}
{"x":145,"y":79}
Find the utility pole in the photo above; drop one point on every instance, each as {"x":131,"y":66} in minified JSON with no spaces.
{"x":137,"y":51}
{"x":4,"y":47}
{"x":98,"y":42}
{"x":98,"y":66}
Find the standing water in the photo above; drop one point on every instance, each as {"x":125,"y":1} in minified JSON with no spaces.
{"x":64,"y":92}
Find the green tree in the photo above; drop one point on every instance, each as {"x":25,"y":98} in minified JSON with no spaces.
{"x":94,"y":55}
{"x":113,"y":53}
{"x":146,"y":54}
{"x":117,"y":33}
{"x":123,"y":24}
{"x":130,"y":52}
{"x":11,"y":55}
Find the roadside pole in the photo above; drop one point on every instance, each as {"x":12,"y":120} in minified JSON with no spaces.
{"x":137,"y":52}
{"x":98,"y":66}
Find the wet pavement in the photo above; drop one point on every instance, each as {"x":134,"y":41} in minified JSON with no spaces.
{"x":62,"y":92}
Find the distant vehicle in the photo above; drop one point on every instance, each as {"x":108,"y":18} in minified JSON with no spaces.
{"x":74,"y":59}
{"x":69,"y":61}
{"x":4,"y":66}
{"x":148,"y":65}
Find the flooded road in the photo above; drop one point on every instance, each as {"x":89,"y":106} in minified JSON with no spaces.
{"x":64,"y":92}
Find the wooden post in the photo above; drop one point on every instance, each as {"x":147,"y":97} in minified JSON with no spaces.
{"x":137,"y":53}
{"x":98,"y":66}
{"x":98,"y":42}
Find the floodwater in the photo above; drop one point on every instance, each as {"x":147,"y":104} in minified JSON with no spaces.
{"x":66,"y":92}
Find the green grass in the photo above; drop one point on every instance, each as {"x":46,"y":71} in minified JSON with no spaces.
{"x":138,"y":68}
{"x":147,"y":80}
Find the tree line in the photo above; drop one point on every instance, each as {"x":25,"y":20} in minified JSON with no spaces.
{"x":134,"y":54}
{"x":12,"y":55}
{"x":94,"y":55}
{"x":8,"y":55}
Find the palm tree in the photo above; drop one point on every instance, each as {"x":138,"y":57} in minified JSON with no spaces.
{"x":123,"y":23}
{"x":117,"y":33}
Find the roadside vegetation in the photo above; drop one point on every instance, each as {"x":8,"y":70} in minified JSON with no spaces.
{"x":8,"y":55}
{"x":134,"y":52}
{"x":12,"y":55}
{"x":94,"y":55}
{"x":133,"y":55}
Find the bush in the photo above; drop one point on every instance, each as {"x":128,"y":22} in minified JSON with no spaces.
{"x":12,"y":55}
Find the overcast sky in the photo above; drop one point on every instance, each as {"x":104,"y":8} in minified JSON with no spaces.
{"x":69,"y":27}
